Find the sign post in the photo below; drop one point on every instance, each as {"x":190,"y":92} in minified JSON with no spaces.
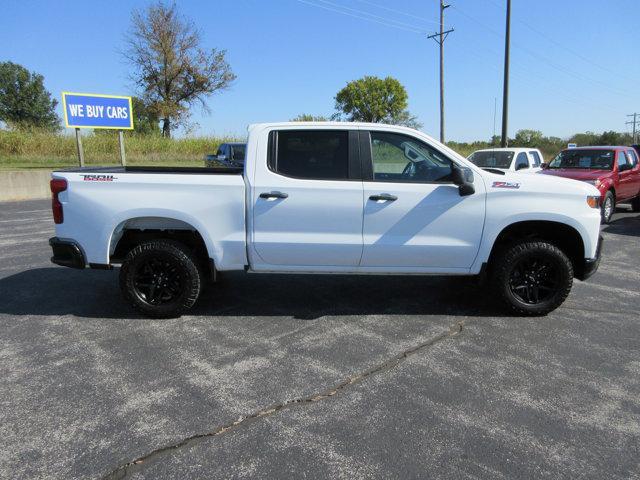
{"x":123,"y":159}
{"x":89,"y":110}
{"x":79,"y":147}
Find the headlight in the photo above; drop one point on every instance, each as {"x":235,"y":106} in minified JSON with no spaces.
{"x":593,"y":201}
{"x":595,"y":183}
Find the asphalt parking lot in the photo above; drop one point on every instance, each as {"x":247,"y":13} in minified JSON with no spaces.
{"x":277,"y":376}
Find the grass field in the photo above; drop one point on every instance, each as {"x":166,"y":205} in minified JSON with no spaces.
{"x":26,"y":150}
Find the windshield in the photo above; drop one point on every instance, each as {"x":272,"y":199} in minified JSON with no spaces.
{"x":586,"y":159}
{"x":492,"y":159}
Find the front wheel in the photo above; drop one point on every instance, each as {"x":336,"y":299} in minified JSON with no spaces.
{"x":532,"y":277}
{"x":608,"y":207}
{"x":160,"y":278}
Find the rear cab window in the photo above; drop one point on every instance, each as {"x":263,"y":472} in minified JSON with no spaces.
{"x":633,"y":157}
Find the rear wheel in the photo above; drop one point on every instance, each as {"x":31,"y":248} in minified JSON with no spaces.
{"x":160,"y":278}
{"x":532,"y":277}
{"x":635,"y":204}
{"x":608,"y":207}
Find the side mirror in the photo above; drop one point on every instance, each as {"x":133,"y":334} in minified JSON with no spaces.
{"x":459,"y":178}
{"x":221,"y":158}
{"x":544,"y":165}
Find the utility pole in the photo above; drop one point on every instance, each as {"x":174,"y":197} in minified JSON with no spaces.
{"x":440,"y":38}
{"x":505,"y":92}
{"x":634,"y":122}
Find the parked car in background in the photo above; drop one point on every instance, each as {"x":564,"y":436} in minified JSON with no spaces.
{"x":228,"y":155}
{"x":508,"y":159}
{"x":328,"y":197}
{"x":614,"y":171}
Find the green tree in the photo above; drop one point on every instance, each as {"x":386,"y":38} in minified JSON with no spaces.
{"x":305,"y":117}
{"x":377,"y":100}
{"x":172,"y":70}
{"x":24,"y":102}
{"x":528,"y":138}
{"x":145,"y":119}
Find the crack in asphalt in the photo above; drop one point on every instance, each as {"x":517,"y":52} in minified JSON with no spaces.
{"x":133,"y":466}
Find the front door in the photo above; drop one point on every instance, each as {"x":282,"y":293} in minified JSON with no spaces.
{"x":307,"y":205}
{"x":414,"y":216}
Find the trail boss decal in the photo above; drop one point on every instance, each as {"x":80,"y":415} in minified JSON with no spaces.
{"x":99,"y":178}
{"x":505,"y":185}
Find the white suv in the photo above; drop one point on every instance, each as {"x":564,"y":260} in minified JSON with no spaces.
{"x":508,"y":159}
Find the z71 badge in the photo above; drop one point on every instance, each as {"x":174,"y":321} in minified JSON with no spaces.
{"x":98,"y":178}
{"x":505,"y":185}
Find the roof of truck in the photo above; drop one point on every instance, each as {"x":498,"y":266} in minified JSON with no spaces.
{"x":506,"y":149}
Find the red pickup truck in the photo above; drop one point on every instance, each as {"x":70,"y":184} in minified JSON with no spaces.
{"x":615,"y":171}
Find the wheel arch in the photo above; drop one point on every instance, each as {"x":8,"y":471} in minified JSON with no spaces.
{"x":564,"y":236}
{"x":132,"y":231}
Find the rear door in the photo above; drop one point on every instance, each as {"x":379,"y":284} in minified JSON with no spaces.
{"x":307,"y":205}
{"x":414,"y":216}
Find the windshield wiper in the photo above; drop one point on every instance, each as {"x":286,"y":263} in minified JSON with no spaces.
{"x":493,"y":170}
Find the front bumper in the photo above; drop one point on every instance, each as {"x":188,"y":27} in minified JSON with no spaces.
{"x":67,"y":253}
{"x":590,"y":265}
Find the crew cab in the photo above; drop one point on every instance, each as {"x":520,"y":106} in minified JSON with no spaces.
{"x":614,"y":171}
{"x":508,"y":159}
{"x":332,"y":198}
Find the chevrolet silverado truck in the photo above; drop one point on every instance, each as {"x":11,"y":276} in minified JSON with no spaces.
{"x":330,"y":198}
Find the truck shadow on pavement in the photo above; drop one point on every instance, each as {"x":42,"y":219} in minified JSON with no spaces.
{"x":95,"y":294}
{"x":628,"y":225}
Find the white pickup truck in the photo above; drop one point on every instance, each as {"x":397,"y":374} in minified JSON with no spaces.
{"x":339,"y":198}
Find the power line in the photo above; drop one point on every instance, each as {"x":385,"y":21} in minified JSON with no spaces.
{"x":410,"y":15}
{"x":542,"y":58}
{"x":555,"y":42}
{"x":398,"y":25}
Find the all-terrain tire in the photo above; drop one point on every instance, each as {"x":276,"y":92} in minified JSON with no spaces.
{"x":608,"y":207}
{"x":549,"y":267}
{"x":160,"y":278}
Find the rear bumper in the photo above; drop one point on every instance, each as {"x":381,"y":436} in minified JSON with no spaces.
{"x":590,"y":265}
{"x":67,"y":253}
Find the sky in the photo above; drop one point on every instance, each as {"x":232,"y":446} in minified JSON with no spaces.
{"x":574,"y":63}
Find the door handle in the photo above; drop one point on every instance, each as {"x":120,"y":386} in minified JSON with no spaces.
{"x":383,"y":196}
{"x":271,"y":195}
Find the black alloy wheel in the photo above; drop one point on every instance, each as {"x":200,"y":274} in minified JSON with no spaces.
{"x":534,"y":280}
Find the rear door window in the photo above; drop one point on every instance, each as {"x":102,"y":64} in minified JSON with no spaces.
{"x":631,"y":154}
{"x":310,"y":154}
